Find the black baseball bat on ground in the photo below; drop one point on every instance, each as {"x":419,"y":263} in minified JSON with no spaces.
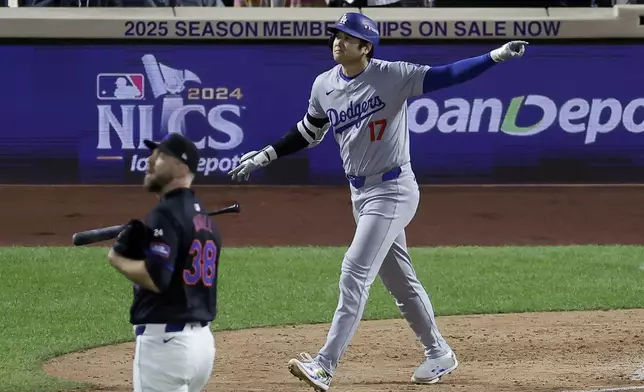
{"x":107,"y":233}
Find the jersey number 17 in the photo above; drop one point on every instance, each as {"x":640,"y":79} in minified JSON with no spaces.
{"x":204,"y":263}
{"x":377,"y":129}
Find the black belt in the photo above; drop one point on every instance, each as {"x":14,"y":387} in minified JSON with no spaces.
{"x":168,"y":327}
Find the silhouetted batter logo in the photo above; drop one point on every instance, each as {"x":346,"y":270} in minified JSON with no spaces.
{"x":120,"y":86}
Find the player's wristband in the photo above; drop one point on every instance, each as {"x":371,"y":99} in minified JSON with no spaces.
{"x":260,"y":158}
{"x":270,"y":153}
{"x":496,"y":55}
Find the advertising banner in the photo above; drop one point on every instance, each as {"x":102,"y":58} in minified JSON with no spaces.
{"x":293,"y":29}
{"x":78,"y":113}
{"x":256,"y":24}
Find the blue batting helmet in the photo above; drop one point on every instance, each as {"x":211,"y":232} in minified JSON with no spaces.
{"x":357,"y":25}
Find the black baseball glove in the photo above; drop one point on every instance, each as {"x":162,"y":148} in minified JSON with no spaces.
{"x":133,"y":241}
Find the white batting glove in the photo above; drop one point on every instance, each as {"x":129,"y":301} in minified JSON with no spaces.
{"x":248,"y":163}
{"x":512,"y":49}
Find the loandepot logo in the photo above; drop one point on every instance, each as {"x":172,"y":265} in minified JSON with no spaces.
{"x":527,"y":116}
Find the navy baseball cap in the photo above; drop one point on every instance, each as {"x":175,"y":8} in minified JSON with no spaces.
{"x":357,"y":25}
{"x":178,"y":146}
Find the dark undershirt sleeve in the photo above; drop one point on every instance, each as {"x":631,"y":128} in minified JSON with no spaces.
{"x":162,"y":252}
{"x":294,"y":140}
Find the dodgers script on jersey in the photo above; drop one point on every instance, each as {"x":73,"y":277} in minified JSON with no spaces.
{"x":368,"y":113}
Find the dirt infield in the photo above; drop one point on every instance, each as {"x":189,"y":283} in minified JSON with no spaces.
{"x":526,"y":352}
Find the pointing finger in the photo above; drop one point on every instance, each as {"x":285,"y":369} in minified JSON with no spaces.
{"x":236,"y":170}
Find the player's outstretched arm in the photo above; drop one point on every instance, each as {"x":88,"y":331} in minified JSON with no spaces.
{"x":306,"y":133}
{"x":463,"y":70}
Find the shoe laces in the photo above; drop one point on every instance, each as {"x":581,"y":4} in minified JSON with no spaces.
{"x":306,"y":357}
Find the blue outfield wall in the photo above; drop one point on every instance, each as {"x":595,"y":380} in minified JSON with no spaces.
{"x":77,"y":113}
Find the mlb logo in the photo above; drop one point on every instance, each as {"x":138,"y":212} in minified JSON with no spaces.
{"x":370,"y":28}
{"x":120,"y":86}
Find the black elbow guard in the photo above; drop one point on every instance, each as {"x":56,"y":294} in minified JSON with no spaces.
{"x":290,"y":143}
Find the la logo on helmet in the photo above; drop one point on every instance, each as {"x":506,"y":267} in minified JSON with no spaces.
{"x":343,"y":19}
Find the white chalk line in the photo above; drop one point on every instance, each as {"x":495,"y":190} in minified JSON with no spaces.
{"x":197,"y":185}
{"x":638,"y":374}
{"x":617,"y":389}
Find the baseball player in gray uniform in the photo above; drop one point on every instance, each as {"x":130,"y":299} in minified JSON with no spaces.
{"x":363,"y":101}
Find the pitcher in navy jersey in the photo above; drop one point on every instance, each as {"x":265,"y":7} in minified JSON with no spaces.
{"x":172,"y":258}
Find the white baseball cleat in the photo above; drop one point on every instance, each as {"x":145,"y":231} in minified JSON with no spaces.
{"x":310,"y":372}
{"x":431,"y":371}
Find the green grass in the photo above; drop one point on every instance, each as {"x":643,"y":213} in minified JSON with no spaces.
{"x":58,"y":300}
